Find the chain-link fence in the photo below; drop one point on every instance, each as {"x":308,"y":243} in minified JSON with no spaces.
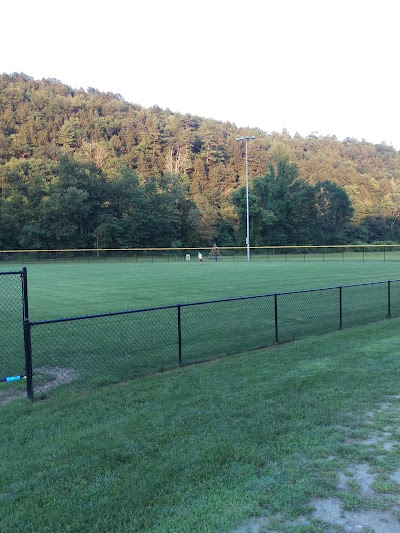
{"x":101,"y":349}
{"x":334,"y":253}
{"x":13,"y":310}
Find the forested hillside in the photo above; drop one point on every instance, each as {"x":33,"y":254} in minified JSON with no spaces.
{"x":85,"y":168}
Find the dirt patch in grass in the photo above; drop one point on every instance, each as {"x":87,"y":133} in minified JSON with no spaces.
{"x":55,"y":377}
{"x":50,"y":379}
{"x":330,"y":511}
{"x":367,"y":496}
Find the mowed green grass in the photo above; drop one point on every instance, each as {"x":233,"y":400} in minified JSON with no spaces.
{"x":199,"y":449}
{"x":109,"y":349}
{"x":202,"y":448}
{"x":65,"y":289}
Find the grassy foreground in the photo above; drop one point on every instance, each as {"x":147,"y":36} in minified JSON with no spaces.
{"x":199,"y":449}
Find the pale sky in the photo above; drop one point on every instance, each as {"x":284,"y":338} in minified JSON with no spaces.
{"x":325,"y":66}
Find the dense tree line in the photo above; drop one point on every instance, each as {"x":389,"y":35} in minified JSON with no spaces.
{"x":84,"y":168}
{"x":287,"y":210}
{"x":67,"y":204}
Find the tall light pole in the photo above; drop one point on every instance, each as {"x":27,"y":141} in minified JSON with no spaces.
{"x":247,"y":139}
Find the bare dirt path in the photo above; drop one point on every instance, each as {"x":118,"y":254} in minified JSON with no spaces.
{"x":367,"y":499}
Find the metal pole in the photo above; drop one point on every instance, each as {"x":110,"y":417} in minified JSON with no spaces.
{"x":27,"y":336}
{"x":247,"y":208}
{"x":25,"y":293}
{"x":246,"y":139}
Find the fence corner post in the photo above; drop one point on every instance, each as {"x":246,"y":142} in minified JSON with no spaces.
{"x":25,"y":293}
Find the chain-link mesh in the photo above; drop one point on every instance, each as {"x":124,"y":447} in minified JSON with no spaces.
{"x":363,"y":304}
{"x":307,"y":313}
{"x":332,"y":253}
{"x":104,"y":349}
{"x":12,"y":357}
{"x":394,"y":298}
{"x":225,"y":327}
{"x":119,"y":346}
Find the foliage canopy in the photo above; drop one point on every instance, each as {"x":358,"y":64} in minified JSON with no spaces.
{"x":85,"y":168}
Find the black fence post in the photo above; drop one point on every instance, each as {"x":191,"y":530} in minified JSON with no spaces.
{"x":340,"y":307}
{"x":25,"y":293}
{"x":27,"y":335}
{"x":276,"y":318}
{"x":179,"y":336}
{"x":389,"y":311}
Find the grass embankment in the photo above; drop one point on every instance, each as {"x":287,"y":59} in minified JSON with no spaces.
{"x":197,"y":449}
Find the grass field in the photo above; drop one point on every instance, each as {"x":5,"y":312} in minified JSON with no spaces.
{"x":209,"y":447}
{"x":79,"y":288}
{"x":109,"y":349}
{"x":206,"y":447}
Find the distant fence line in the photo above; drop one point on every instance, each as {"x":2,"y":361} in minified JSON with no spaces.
{"x":359,"y":252}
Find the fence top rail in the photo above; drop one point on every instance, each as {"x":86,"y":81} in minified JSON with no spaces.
{"x":175,"y":306}
{"x":183,"y":249}
{"x":11,"y":273}
{"x":145,"y":309}
{"x":101,"y":315}
{"x":341,"y":286}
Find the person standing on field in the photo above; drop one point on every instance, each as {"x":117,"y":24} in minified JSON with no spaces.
{"x":200,"y":257}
